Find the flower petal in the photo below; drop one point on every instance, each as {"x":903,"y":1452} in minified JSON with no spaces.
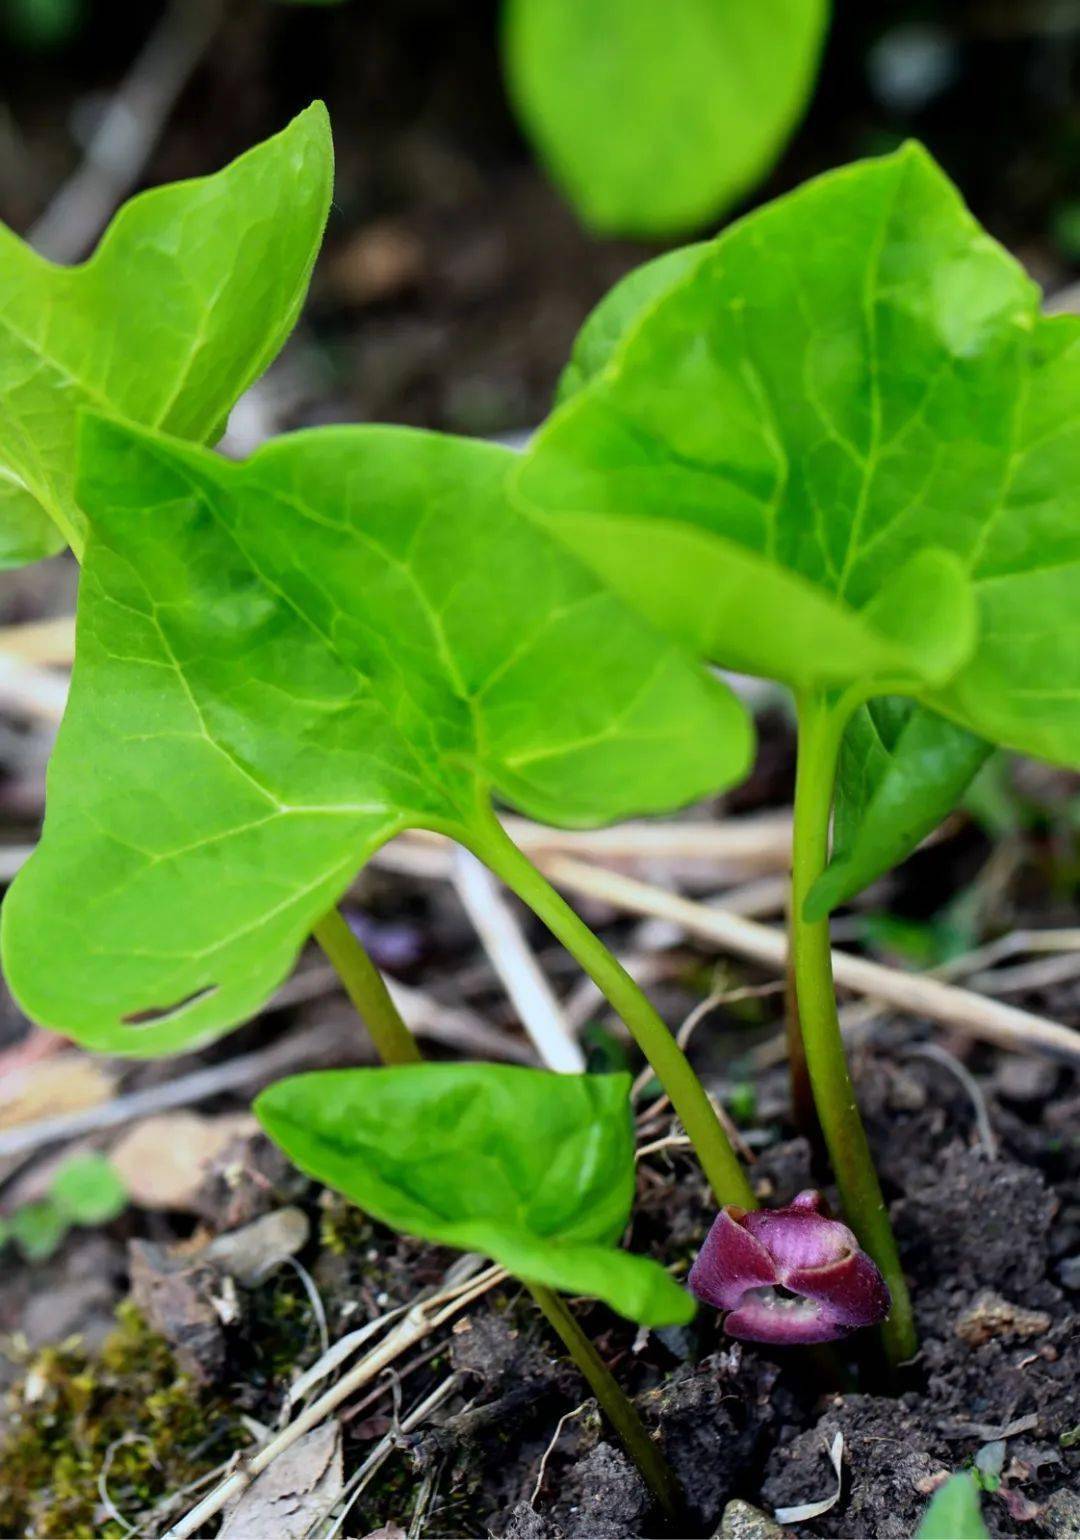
{"x":797,"y":1237}
{"x":763,"y":1318}
{"x":853,"y":1289}
{"x":730,"y":1262}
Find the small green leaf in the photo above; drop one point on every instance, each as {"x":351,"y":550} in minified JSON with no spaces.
{"x":954,"y":1512}
{"x":38,"y":1229}
{"x":88,"y":1190}
{"x":282,"y":664}
{"x":852,"y":381}
{"x":533,"y":1169}
{"x":902,"y":770}
{"x":653,"y":123}
{"x":189,"y":296}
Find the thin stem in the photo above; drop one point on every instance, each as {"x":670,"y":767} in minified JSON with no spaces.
{"x":719,"y":1161}
{"x":803,"y":1112}
{"x":615,"y":1404}
{"x":367,"y":990}
{"x":821,"y":726}
{"x":395,"y":1044}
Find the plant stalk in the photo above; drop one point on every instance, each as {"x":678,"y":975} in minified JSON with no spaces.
{"x":614,"y":1403}
{"x":725,"y":1175}
{"x":367,"y":990}
{"x":821,"y":727}
{"x":803,"y":1112}
{"x":395,"y":1044}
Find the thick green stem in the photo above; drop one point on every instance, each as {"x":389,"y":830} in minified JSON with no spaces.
{"x":821,"y":727}
{"x":719,"y":1161}
{"x":616,"y":1405}
{"x":367,"y":990}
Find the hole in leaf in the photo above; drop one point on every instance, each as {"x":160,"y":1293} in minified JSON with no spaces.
{"x":153,"y":1015}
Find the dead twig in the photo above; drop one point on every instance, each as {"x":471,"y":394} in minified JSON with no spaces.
{"x":559,"y":1426}
{"x":918,"y":994}
{"x":30,"y":691}
{"x":758,"y":843}
{"x":48,"y":643}
{"x":385,"y":1447}
{"x":1038,"y":974}
{"x":422,"y":1318}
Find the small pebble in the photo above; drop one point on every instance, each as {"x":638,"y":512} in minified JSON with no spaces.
{"x":742,"y":1521}
{"x":252,"y":1252}
{"x":1069,"y":1272}
{"x":1061,"y":1515}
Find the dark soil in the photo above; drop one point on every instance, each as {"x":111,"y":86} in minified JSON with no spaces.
{"x":992,"y":1247}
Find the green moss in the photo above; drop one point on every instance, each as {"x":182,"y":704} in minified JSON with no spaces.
{"x":344,"y":1229}
{"x":129,"y":1406}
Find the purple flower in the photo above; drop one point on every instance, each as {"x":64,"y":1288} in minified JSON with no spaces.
{"x":788,"y":1275}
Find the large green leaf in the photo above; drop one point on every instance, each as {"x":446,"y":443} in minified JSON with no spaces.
{"x":851,"y":380}
{"x":190,"y":294}
{"x":280,"y":665}
{"x":533,"y":1169}
{"x":902,"y":770}
{"x":655,"y":121}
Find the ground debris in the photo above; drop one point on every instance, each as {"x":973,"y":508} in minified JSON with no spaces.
{"x":246,"y":1179}
{"x":602,"y":1496}
{"x":295,"y":1490}
{"x":715,"y":1417}
{"x":891,"y":1453}
{"x":163,"y":1159}
{"x":989,"y":1315}
{"x":176,"y":1295}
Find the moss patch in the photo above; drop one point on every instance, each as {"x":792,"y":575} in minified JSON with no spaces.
{"x":127,"y":1411}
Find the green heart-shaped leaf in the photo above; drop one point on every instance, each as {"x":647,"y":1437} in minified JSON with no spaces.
{"x":902,"y":770}
{"x":652,"y":122}
{"x":848,"y":379}
{"x":189,"y":296}
{"x":533,"y":1169}
{"x":280,"y":665}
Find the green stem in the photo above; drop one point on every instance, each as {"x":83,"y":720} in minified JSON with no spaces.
{"x":719,"y":1161}
{"x":821,"y":726}
{"x":367,"y":990}
{"x":803,"y":1112}
{"x":395,"y":1044}
{"x":616,"y":1405}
